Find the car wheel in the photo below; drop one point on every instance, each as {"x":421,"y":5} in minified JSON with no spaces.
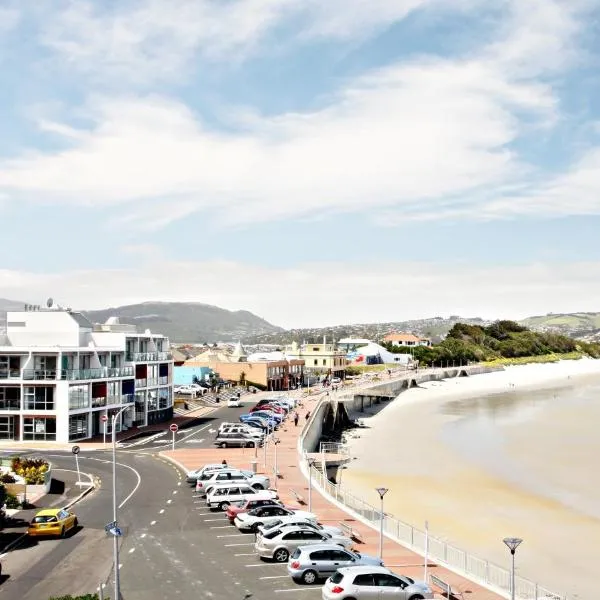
{"x":281,"y":555}
{"x":62,"y":532}
{"x":224,"y":506}
{"x":417,"y":597}
{"x":222,"y":445}
{"x":309,"y":577}
{"x":250,"y":445}
{"x":258,"y":486}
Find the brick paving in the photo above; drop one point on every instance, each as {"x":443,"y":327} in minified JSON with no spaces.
{"x":292,"y":480}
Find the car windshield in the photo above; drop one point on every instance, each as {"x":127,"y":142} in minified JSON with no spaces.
{"x":45,"y":519}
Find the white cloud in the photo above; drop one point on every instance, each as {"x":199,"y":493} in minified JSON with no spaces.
{"x":318,"y":294}
{"x":379,"y":143}
{"x":9,"y":17}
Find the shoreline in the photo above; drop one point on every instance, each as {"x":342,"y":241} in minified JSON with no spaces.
{"x":433,"y":479}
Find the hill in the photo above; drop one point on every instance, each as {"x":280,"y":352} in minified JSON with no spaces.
{"x":188,"y":321}
{"x":573,"y":324}
{"x":8,"y":305}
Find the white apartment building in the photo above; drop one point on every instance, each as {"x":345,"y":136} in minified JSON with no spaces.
{"x":60,"y":374}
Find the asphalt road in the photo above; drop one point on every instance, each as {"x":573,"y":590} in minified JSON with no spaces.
{"x":172,"y":546}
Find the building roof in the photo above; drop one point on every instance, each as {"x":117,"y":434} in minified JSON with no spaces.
{"x":401,"y":337}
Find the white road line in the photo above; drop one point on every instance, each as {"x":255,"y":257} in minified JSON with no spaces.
{"x":298,"y":589}
{"x":232,"y":545}
{"x":169,"y":501}
{"x":220,"y":527}
{"x":211,"y":520}
{"x":131,"y":550}
{"x":232,"y":535}
{"x":263,"y":564}
{"x":143,"y":535}
{"x":274,"y":577}
{"x":152,"y":522}
{"x":175,"y":491}
{"x":161,"y":511}
{"x":178,"y":483}
{"x":250,"y":554}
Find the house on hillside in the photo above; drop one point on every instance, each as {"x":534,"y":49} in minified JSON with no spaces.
{"x":406,"y":339}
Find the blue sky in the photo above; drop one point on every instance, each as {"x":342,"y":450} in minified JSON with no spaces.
{"x":314,"y":162}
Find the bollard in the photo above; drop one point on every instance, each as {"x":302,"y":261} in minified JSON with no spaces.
{"x":254,"y":464}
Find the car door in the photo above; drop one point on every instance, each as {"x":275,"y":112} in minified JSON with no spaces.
{"x":310,"y":536}
{"x":292,"y":539}
{"x":390,"y":587}
{"x":339,"y":559}
{"x":365,"y":587}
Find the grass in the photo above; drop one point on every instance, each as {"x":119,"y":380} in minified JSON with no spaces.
{"x":526,"y":360}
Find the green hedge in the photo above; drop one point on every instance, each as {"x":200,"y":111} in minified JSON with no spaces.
{"x":85,"y":597}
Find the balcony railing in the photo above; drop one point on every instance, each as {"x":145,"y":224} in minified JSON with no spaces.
{"x":127,"y":398}
{"x":147,"y":356}
{"x":152,"y":381}
{"x":76,"y":402}
{"x":141,"y":383}
{"x":10,"y":373}
{"x":163,"y":380}
{"x":77,"y":374}
{"x":10,"y":404}
{"x":96,"y":402}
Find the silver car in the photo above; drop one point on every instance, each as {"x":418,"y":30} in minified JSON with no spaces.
{"x":280,"y":543}
{"x":310,"y":563}
{"x":368,"y":583}
{"x":283,"y":522}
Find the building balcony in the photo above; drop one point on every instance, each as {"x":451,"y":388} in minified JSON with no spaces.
{"x":98,"y":402}
{"x":78,"y":402}
{"x":10,"y":373}
{"x":152,"y":382}
{"x":10,"y":404}
{"x":77,"y":374}
{"x":147,"y":356}
{"x":127,"y":398}
{"x":140,"y":383}
{"x":163,"y":380}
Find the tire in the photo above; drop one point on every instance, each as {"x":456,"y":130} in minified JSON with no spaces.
{"x":250,"y":445}
{"x":62,"y":533}
{"x":309,"y":577}
{"x":258,"y":486}
{"x":281,"y":555}
{"x":223,"y":445}
{"x":224,"y":506}
{"x":417,"y":597}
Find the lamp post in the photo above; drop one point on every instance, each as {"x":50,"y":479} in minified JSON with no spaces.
{"x":311,"y":462}
{"x":114,"y":498}
{"x":276,"y":443}
{"x":382,"y":492}
{"x":512,"y":544}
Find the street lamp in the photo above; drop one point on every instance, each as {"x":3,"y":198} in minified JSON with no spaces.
{"x":276,"y":443}
{"x":114,"y":494}
{"x":311,"y":462}
{"x":512,"y":543}
{"x":382,"y":492}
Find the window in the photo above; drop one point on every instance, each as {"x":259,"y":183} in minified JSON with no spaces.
{"x":341,"y":556}
{"x":386,"y":580}
{"x":321,"y":555}
{"x":324,"y":361}
{"x":39,"y":398}
{"x":293,"y":535}
{"x":337,"y":577}
{"x":311,"y":535}
{"x":364,"y":579}
{"x":79,"y":396}
{"x":316,"y":362}
{"x":315,"y":349}
{"x":36,"y":428}
{"x":78,"y":427}
{"x":10,"y":398}
{"x":234,"y":491}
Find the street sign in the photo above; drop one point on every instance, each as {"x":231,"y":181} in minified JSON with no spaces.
{"x":116,"y":532}
{"x":75,"y":450}
{"x":174,"y":427}
{"x":110,"y":526}
{"x":104,"y":418}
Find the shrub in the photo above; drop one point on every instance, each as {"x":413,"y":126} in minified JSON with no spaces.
{"x":85,"y":597}
{"x":33,"y":470}
{"x":7,"y":478}
{"x":12,"y":501}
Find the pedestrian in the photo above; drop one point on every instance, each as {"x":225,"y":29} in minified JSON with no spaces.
{"x":308,"y":415}
{"x":296,"y":419}
{"x":224,"y":463}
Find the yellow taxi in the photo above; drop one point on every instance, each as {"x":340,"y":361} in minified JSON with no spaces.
{"x":52,"y":521}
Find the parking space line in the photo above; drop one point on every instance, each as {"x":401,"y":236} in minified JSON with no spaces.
{"x":221,"y":527}
{"x":274,"y":577}
{"x":211,"y":520}
{"x":249,"y":554}
{"x":232,"y":535}
{"x":264,"y":564}
{"x":244,"y":544}
{"x":298,"y":589}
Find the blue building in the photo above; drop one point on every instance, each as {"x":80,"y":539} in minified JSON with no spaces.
{"x":185,"y":375}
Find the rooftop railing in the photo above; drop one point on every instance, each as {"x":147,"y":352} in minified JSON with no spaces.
{"x":147,"y":356}
{"x":77,"y":374}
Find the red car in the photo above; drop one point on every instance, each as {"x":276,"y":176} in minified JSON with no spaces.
{"x":233,"y":510}
{"x":275,"y":409}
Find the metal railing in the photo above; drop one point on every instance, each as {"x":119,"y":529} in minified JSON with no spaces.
{"x":77,"y":374}
{"x":147,"y":356}
{"x":10,"y":373}
{"x":333,"y":448}
{"x":141,"y":382}
{"x":96,"y":402}
{"x":163,"y":380}
{"x":460,"y":561}
{"x":76,"y":402}
{"x":127,"y":398}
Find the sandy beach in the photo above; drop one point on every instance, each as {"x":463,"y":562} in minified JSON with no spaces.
{"x":496,"y":455}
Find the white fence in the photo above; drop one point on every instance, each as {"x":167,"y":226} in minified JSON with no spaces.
{"x":473,"y":568}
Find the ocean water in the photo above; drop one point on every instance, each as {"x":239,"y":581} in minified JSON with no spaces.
{"x":487,"y":466}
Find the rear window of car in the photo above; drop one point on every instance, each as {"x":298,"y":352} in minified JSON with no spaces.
{"x":337,"y":577}
{"x":44,"y":519}
{"x":272,"y":534}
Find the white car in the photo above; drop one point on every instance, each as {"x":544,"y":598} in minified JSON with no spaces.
{"x":193,"y":476}
{"x":284,"y":522}
{"x":209,"y":481}
{"x":265,"y":515}
{"x":241,"y":428}
{"x":234,"y":402}
{"x":221,"y":497}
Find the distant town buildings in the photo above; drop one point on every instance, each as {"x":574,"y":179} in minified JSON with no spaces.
{"x":61,"y":375}
{"x":325,"y":359}
{"x":406,"y":339}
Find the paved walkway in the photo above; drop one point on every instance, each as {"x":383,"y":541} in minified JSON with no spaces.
{"x":292,"y":480}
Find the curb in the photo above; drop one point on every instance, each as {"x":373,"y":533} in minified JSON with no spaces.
{"x":174,"y":461}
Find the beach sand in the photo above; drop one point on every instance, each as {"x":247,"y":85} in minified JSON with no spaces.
{"x":528,"y":469}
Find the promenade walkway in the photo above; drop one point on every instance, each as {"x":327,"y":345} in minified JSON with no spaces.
{"x":291,"y":480}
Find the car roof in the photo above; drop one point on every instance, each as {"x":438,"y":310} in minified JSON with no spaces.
{"x":323,"y":546}
{"x":48,"y":512}
{"x":359,"y":570}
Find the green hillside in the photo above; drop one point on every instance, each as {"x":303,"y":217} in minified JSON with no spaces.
{"x":585,"y":321}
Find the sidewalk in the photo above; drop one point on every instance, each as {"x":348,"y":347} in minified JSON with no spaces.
{"x":291,"y":480}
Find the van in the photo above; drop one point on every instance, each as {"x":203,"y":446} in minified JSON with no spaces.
{"x":222,"y":496}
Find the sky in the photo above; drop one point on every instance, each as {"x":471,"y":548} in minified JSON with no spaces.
{"x":316,"y":162}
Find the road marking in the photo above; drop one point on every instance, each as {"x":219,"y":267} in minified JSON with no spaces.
{"x":179,"y":483}
{"x":152,"y":522}
{"x":220,"y":526}
{"x":143,"y":535}
{"x":211,"y":520}
{"x":232,"y":535}
{"x":298,"y":589}
{"x":274,"y":577}
{"x":175,"y":491}
{"x":262,"y":564}
{"x":169,"y":501}
{"x":232,"y":545}
{"x":120,"y":566}
{"x":131,"y":550}
{"x":161,"y":511}
{"x":251,"y":554}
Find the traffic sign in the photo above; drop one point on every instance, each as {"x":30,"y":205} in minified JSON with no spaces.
{"x":110,"y":526}
{"x":104,"y":418}
{"x":116,"y":531}
{"x":174,"y":427}
{"x":75,"y":449}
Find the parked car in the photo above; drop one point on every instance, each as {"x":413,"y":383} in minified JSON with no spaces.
{"x":52,"y":521}
{"x":223,"y":496}
{"x":293,"y":521}
{"x":263,"y":515}
{"x":192,"y":476}
{"x":365,"y":583}
{"x":311,"y":563}
{"x":280,"y":543}
{"x":268,"y":407}
{"x":224,"y":476}
{"x":235,"y":509}
{"x":259,"y":423}
{"x":336,"y":380}
{"x":270,"y":422}
{"x":269,"y":415}
{"x":236,"y":440}
{"x":242,"y":428}
{"x":234,"y":402}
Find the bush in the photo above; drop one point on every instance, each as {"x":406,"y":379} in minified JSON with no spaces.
{"x":33,"y":470}
{"x":85,"y":597}
{"x":7,"y":478}
{"x":12,"y":501}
